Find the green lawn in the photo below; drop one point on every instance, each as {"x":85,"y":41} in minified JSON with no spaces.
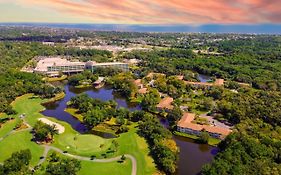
{"x":113,"y":168}
{"x":19,"y":141}
{"x":63,"y":77}
{"x":74,"y":113}
{"x":7,"y":127}
{"x":132,"y":143}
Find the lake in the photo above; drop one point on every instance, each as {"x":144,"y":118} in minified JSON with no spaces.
{"x":192,"y":155}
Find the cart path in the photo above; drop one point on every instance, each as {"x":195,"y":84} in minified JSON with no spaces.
{"x":48,"y":148}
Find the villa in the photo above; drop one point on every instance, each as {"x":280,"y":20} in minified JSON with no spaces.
{"x":185,"y":125}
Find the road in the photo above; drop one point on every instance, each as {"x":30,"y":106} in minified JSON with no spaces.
{"x":48,"y":148}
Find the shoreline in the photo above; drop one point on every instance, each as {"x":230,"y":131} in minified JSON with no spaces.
{"x":212,"y":141}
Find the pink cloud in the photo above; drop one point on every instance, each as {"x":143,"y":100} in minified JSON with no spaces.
{"x":168,"y":11}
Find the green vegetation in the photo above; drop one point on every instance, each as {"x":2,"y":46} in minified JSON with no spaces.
{"x":211,"y":141}
{"x":82,"y":80}
{"x":14,"y":83}
{"x":123,"y":84}
{"x":8,"y":146}
{"x":75,"y":143}
{"x":43,"y":132}
{"x":17,"y":163}
{"x":58,"y":165}
{"x":49,"y":79}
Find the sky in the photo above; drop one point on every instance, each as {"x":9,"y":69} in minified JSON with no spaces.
{"x":159,"y":12}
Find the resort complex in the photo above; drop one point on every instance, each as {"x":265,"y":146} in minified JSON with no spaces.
{"x":186,"y":125}
{"x":52,"y":66}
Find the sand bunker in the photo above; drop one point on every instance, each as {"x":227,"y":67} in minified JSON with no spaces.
{"x":59,"y":127}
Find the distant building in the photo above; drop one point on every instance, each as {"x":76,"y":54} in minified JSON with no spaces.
{"x":118,"y":65}
{"x":54,"y":65}
{"x":185,"y":125}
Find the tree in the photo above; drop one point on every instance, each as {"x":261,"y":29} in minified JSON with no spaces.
{"x":150,"y":100}
{"x":63,"y":166}
{"x":43,"y":132}
{"x":204,"y":137}
{"x":17,"y":164}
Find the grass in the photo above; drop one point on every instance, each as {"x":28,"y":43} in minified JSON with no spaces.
{"x":106,"y":168}
{"x":8,"y":126}
{"x":20,"y":141}
{"x":83,"y":86}
{"x":212,"y":141}
{"x":58,"y":96}
{"x":132,"y":143}
{"x":63,"y":77}
{"x":74,"y":113}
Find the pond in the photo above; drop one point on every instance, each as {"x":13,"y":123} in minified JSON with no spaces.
{"x":192,"y":155}
{"x":204,"y":78}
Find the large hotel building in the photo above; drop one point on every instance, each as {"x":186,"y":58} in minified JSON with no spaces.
{"x":52,"y":66}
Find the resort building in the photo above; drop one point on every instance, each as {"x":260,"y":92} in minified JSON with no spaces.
{"x":52,"y":66}
{"x":118,"y":65}
{"x":185,"y":125}
{"x":165,"y":104}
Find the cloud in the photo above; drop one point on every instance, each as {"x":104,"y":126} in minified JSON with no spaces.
{"x":165,"y":11}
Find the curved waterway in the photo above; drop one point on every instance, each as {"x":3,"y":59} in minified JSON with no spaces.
{"x":192,"y":155}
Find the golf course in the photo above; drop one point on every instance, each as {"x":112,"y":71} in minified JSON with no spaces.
{"x":70,"y":143}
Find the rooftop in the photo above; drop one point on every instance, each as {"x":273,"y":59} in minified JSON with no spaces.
{"x":93,"y":63}
{"x":187,"y":118}
{"x":219,"y":82}
{"x":142,"y":91}
{"x":166,"y":103}
{"x":43,"y":64}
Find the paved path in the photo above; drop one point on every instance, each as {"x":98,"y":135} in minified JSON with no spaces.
{"x":48,"y":148}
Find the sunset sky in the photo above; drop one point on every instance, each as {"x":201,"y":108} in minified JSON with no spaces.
{"x":186,"y":12}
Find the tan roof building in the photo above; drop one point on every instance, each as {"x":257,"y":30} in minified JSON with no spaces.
{"x":185,"y":125}
{"x":186,"y":118}
{"x":142,"y":91}
{"x":219,"y":82}
{"x":166,"y":103}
